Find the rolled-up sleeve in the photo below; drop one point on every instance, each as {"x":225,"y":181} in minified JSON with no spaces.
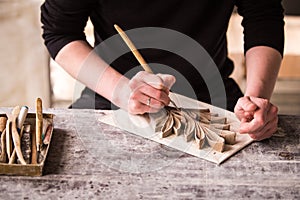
{"x":263,"y":22}
{"x":63,"y":21}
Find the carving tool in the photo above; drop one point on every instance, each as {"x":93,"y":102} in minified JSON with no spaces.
{"x":39,"y":124}
{"x":48,"y":131}
{"x":11,"y":120}
{"x":15,"y":134}
{"x":12,"y":132}
{"x":26,"y":143}
{"x":3,"y":121}
{"x":17,"y":142}
{"x":8,"y":138}
{"x":46,"y":124}
{"x":33,"y":148}
{"x":136,"y":53}
{"x":133,"y":49}
{"x":19,"y":117}
{"x":22,"y":117}
{"x":3,"y":146}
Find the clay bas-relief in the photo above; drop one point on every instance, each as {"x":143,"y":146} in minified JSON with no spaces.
{"x":200,"y":125}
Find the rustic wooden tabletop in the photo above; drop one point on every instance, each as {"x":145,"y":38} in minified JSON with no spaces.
{"x":92,"y":160}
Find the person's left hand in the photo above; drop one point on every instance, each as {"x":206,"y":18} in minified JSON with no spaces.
{"x":258,"y":117}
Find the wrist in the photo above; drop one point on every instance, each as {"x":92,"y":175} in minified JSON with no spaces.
{"x":258,"y":89}
{"x":258,"y":94}
{"x":121,"y":93}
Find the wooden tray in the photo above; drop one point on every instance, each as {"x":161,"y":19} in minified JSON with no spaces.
{"x":29,"y":169}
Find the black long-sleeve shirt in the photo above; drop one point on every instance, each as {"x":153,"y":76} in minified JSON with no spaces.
{"x":205,"y":21}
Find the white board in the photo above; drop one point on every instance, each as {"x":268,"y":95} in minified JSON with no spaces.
{"x":143,"y":126}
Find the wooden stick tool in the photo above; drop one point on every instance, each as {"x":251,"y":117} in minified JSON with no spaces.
{"x":133,"y":49}
{"x":136,"y":53}
{"x":39,"y":123}
{"x":3,"y":121}
{"x":13,"y":132}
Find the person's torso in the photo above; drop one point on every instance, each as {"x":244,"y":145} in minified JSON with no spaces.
{"x":203,"y":21}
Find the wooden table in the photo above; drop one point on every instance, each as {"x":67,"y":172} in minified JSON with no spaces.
{"x":92,"y":160}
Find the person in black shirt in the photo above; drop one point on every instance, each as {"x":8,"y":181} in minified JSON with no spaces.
{"x":203,"y":21}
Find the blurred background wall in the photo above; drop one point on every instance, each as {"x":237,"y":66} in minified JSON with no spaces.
{"x":27,"y":72}
{"x":24,"y":62}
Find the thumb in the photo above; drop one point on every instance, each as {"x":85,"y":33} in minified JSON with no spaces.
{"x":168,"y":80}
{"x":245,"y":104}
{"x":245,"y":108}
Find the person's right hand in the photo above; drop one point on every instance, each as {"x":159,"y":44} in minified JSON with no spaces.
{"x":149,"y":92}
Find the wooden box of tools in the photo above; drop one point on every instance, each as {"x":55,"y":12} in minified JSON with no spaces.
{"x":35,"y":160}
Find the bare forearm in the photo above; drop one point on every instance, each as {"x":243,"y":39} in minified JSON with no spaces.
{"x":257,"y":114}
{"x":263,"y":64}
{"x":79,"y":60}
{"x":134,"y":95}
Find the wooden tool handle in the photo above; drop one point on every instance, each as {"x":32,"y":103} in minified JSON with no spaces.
{"x":22,"y":117}
{"x":33,"y":148}
{"x":3,"y":121}
{"x":39,"y":123}
{"x":3,"y":147}
{"x":17,"y":142}
{"x":137,"y":54}
{"x":8,"y":139}
{"x":16,"y":136}
{"x":11,"y":118}
{"x":133,"y":49}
